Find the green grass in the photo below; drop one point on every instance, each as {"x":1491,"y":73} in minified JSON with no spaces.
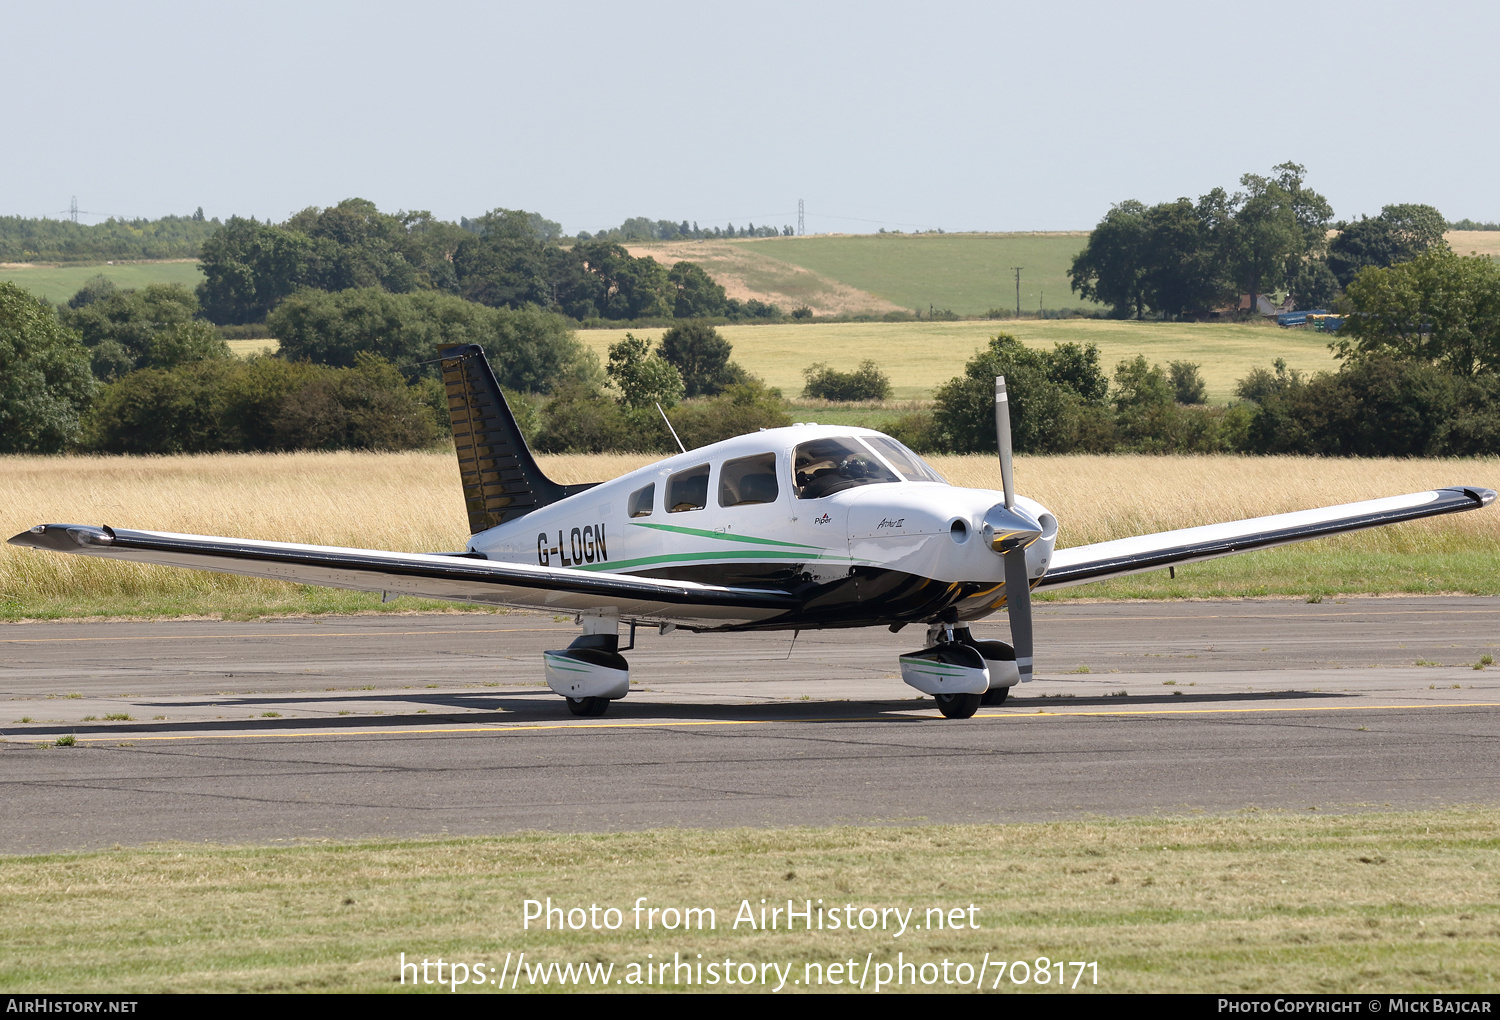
{"x":1255,"y":901}
{"x":967,"y":273}
{"x":1313,"y":570}
{"x":921,"y":356}
{"x":58,"y":283}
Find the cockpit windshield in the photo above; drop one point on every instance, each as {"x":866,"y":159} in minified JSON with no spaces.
{"x":909,"y":464}
{"x":825,"y":466}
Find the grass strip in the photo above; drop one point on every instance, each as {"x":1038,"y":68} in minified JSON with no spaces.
{"x":1254,"y":901}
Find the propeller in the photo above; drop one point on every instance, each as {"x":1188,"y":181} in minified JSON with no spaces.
{"x":1011,"y":540}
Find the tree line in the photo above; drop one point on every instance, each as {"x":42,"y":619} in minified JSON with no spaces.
{"x":506,"y":258}
{"x":1184,"y":259}
{"x":24,"y":239}
{"x":137,"y":371}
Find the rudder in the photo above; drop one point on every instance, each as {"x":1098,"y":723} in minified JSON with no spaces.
{"x":501,"y":479}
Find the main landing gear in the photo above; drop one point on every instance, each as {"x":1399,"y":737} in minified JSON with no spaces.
{"x":960,"y":671}
{"x":591,"y":672}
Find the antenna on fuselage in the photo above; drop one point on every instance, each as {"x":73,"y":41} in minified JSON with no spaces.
{"x":669,"y":426}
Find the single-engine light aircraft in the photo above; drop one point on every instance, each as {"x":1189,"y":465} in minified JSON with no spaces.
{"x":783,"y":529}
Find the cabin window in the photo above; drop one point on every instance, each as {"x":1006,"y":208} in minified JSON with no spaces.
{"x":825,"y":466}
{"x":642,"y":500}
{"x":688,"y":490}
{"x":903,"y":460}
{"x":748,"y":480}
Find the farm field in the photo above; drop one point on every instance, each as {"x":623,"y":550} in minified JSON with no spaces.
{"x":58,"y":283}
{"x":328,"y":499}
{"x":834,"y":274}
{"x":873,"y":273}
{"x":1385,"y":902}
{"x":921,"y":356}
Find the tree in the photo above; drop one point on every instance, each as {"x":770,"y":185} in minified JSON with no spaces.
{"x":45,"y":381}
{"x":1399,"y":234}
{"x":248,"y":267}
{"x":155,"y":327}
{"x":701,"y":355}
{"x":643,"y":378}
{"x":1180,"y":257}
{"x":1111,"y":269}
{"x":698,"y":296}
{"x":1439,"y":308}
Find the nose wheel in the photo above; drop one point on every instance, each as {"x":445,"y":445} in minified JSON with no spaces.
{"x":588,"y":706}
{"x":958,"y":706}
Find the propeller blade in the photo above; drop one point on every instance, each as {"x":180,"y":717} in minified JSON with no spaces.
{"x":1002,"y":439}
{"x":1018,"y":606}
{"x":1017,"y":583}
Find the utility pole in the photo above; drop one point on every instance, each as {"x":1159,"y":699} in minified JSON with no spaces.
{"x":801,"y":227}
{"x":1018,"y":289}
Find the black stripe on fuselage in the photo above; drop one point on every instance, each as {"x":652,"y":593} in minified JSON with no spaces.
{"x":868,"y":596}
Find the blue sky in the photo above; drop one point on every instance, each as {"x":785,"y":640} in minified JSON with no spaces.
{"x":965,"y":116}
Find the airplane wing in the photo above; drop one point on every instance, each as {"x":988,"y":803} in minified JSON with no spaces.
{"x":457,"y":577}
{"x":1086,"y":563}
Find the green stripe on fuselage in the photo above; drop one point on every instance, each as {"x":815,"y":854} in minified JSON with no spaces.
{"x":718,"y":556}
{"x":722,"y":536}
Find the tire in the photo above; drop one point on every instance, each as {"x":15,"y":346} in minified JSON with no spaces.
{"x":994,"y":696}
{"x":958,"y":706}
{"x":588,"y":706}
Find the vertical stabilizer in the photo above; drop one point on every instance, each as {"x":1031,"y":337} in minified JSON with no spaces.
{"x":500,"y":477}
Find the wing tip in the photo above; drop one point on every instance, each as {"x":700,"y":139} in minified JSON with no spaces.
{"x":63,"y":537}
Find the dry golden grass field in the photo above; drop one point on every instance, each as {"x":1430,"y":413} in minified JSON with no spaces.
{"x":410,"y":501}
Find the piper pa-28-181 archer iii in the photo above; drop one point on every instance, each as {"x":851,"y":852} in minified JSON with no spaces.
{"x":783,"y":529}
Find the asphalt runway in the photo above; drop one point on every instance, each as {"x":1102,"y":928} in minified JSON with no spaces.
{"x":414,"y":725}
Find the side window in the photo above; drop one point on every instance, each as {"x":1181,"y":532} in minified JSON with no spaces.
{"x":688,"y":490}
{"x":642,"y":500}
{"x":748,"y":480}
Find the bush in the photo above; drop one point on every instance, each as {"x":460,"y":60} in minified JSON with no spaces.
{"x":1055,"y":399}
{"x":1376,"y":407}
{"x":155,"y":410}
{"x":867,"y":382}
{"x":742,"y":408}
{"x":45,"y":382}
{"x":580,"y":419}
{"x":262,"y":404}
{"x":1187,"y":384}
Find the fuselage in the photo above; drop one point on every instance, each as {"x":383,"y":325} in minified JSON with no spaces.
{"x":858,"y":526}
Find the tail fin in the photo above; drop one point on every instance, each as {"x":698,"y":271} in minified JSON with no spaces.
{"x":501,"y":479}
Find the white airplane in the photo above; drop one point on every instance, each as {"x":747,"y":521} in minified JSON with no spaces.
{"x":783,"y":529}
